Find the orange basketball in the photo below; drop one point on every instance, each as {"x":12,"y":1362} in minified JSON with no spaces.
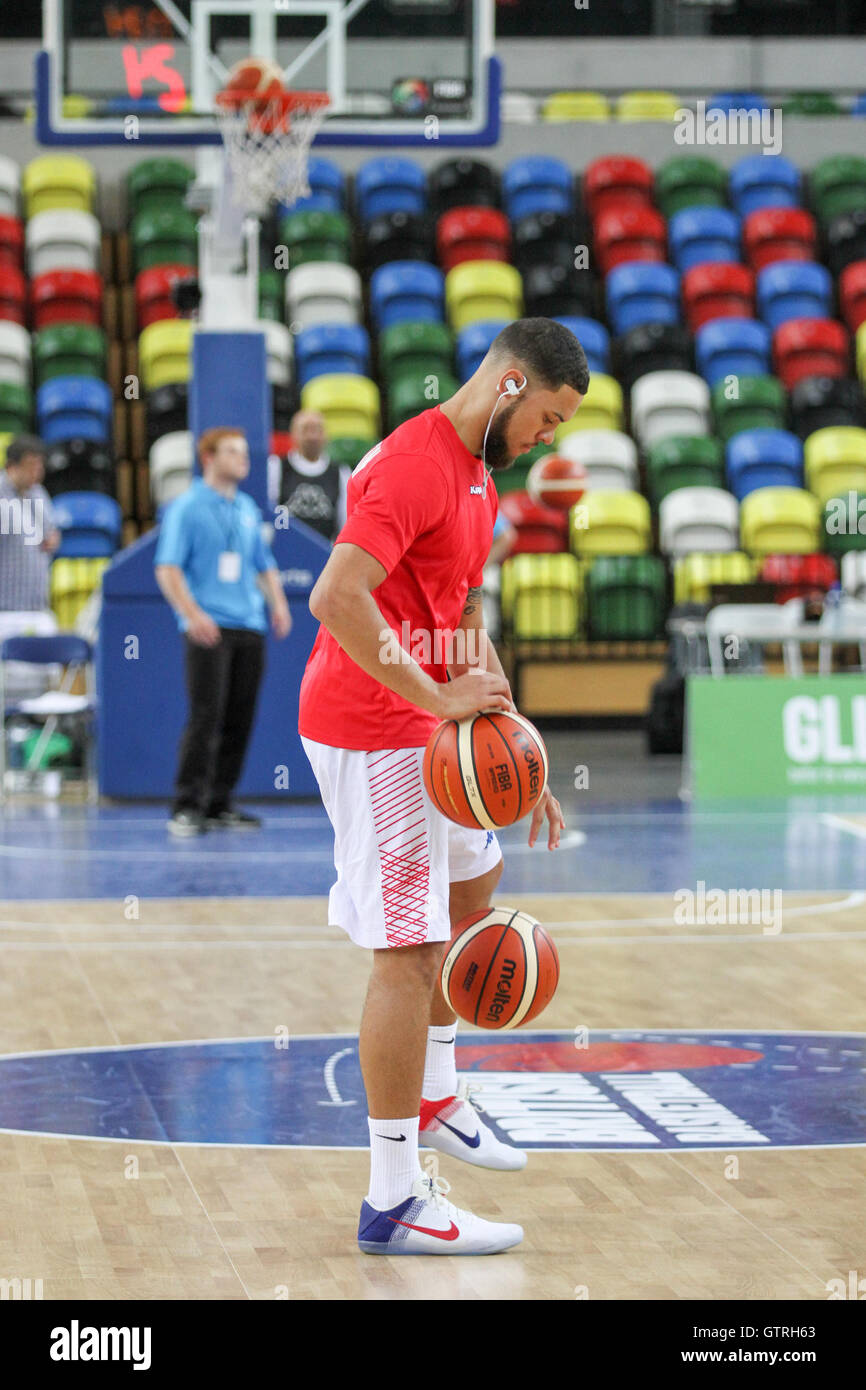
{"x":487,"y":771}
{"x":257,"y":78}
{"x":501,"y":969}
{"x":556,"y":481}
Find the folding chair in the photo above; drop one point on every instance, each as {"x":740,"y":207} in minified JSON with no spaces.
{"x":72,"y":652}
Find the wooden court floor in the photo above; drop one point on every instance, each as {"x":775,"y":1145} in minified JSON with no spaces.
{"x":256,"y":1223}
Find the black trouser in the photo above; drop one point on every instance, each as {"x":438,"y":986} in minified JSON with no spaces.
{"x":222,"y":683}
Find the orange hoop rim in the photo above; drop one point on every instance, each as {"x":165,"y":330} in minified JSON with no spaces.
{"x":283,"y":102}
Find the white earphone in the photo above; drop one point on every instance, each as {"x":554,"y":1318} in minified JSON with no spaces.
{"x":511,"y":389}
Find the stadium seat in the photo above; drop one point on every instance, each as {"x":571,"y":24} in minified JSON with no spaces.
{"x":696,"y":574}
{"x":350,"y":405}
{"x":546,"y":238}
{"x":278,"y":351}
{"x":155,"y":183}
{"x":600,"y":409}
{"x":794,"y":290}
{"x":764,"y":181}
{"x":810,"y":347}
{"x":172,"y":466}
{"x":410,"y":394}
{"x":345,"y":452}
{"x":811,"y":104}
{"x":536,"y":183}
{"x":732,"y":347}
{"x":514,"y":479}
{"x":626,"y":597}
{"x":74,"y":405}
{"x":576,"y":106}
{"x":166,"y":410}
{"x":165,"y":352}
{"x":398,"y":236}
{"x":283,"y":405}
{"x":323,"y":292}
{"x":700,"y":235}
{"x":698,"y":519}
{"x":153,"y":292}
{"x":647,"y":106}
{"x":406,"y":292}
{"x":89,"y":523}
{"x":316,"y":236}
{"x":6,"y":437}
{"x":680,"y":461}
{"x":79,"y":465}
{"x":748,"y":102}
{"x":688,"y":181}
{"x":614,"y":181}
{"x":66,"y":296}
{"x":457,"y":183}
{"x":163,"y":236}
{"x":593,"y":338}
{"x":13,"y":295}
{"x":609,"y":457}
{"x":332,"y":347}
{"x":797,"y":576}
{"x":860,"y":353}
{"x":653,"y":347}
{"x":763,"y":458}
{"x":386,"y":185}
{"x":838,"y":185}
{"x":835,"y":461}
{"x":611,"y":523}
{"x":852,"y":294}
{"x":473,"y":344}
{"x":63,"y":239}
{"x":272,"y":295}
{"x":669,"y":403}
{"x":714,"y":291}
{"x":854,"y":570}
{"x":780,"y":520}
{"x":68,"y":349}
{"x":555,"y":291}
{"x":843,"y":524}
{"x":472,"y":234}
{"x":482,"y":290}
{"x":845,"y":240}
{"x":541,"y":596}
{"x":327,"y":188}
{"x":12,"y":243}
{"x":637,"y":293}
{"x":14,"y":353}
{"x":819,"y":402}
{"x":10,"y":183}
{"x":750,"y":403}
{"x":540,"y":530}
{"x":58,"y":181}
{"x":16,"y":408}
{"x":416,"y":346}
{"x":71,"y":585}
{"x":628,"y":233}
{"x":778,"y":234}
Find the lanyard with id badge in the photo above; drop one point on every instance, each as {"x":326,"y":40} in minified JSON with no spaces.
{"x":229,"y":560}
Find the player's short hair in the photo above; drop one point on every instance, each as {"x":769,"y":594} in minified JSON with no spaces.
{"x":209,"y":440}
{"x":21,"y":446}
{"x":550,"y":353}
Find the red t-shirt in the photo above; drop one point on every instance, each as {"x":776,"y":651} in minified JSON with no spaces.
{"x":415,"y":503}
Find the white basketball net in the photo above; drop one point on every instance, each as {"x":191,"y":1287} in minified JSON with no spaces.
{"x":268,"y":149}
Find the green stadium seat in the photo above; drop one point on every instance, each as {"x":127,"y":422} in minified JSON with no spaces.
{"x":684,"y":461}
{"x":811,"y":104}
{"x":68,"y":349}
{"x":16,"y":408}
{"x":415,"y":347}
{"x":271,"y":295}
{"x":626,"y":597}
{"x":163,"y":236}
{"x":412,"y":393}
{"x":347,"y":452}
{"x":838,"y":185}
{"x":690,"y":181}
{"x":844,"y":523}
{"x":316,"y":236}
{"x":760,"y":404}
{"x":156,"y":183}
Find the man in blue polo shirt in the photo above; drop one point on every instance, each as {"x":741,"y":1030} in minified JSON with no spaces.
{"x":216,"y":571}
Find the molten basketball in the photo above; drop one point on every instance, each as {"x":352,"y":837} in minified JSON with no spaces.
{"x":501,"y":969}
{"x":556,"y":481}
{"x":487,"y":771}
{"x":256,"y":78}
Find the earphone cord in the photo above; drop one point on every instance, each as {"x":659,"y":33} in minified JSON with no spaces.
{"x":484,"y":445}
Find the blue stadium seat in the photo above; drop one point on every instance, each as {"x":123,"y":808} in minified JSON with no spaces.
{"x":732,"y":347}
{"x":473,"y":343}
{"x":794,"y":290}
{"x":332,"y":347}
{"x":763,"y":458}
{"x":764,"y":181}
{"x":390,"y":185}
{"x":90,"y":524}
{"x":327,"y":188}
{"x":859,"y":107}
{"x":737,"y":101}
{"x":594,"y":339}
{"x":404,"y":290}
{"x":536,"y":184}
{"x":642,"y":292}
{"x":74,"y":405}
{"x":698,"y":235}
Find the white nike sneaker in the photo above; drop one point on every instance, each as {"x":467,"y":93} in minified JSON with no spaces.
{"x":454,"y":1128}
{"x":425,"y":1224}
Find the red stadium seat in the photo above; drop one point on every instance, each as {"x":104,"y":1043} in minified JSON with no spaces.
{"x":282,"y":442}
{"x":852,"y":294}
{"x":153,"y":300}
{"x":66,"y":296}
{"x":616,"y":179}
{"x":12,"y":242}
{"x":13,"y":295}
{"x":795,"y":576}
{"x":779,"y":234}
{"x":472,"y":234}
{"x":540,"y":530}
{"x":629,"y":232}
{"x":715,"y":290}
{"x":809,"y":347}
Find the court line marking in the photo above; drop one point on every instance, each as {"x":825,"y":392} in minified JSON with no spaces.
{"x":842,"y":823}
{"x":311,"y":943}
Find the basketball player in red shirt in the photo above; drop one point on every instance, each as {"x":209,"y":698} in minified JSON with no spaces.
{"x":408,"y":562}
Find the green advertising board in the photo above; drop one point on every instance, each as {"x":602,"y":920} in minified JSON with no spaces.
{"x":764,"y":736}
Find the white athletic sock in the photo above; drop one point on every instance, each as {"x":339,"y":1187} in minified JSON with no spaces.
{"x":394,"y":1164}
{"x":440,"y":1069}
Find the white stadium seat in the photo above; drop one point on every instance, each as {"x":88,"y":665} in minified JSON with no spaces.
{"x":668,"y":403}
{"x":698,"y":518}
{"x":322,"y":292}
{"x":63,"y":239}
{"x":609,"y":457}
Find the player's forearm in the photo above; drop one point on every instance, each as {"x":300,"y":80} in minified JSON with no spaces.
{"x":273,"y":589}
{"x":175,"y":591}
{"x":356,"y":622}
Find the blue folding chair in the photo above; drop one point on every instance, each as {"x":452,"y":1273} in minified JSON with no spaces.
{"x":593,"y":338}
{"x":76,"y":654}
{"x":473,"y":343}
{"x":332,"y":347}
{"x":90,"y":524}
{"x":405,"y":290}
{"x":537,"y":183}
{"x":764,"y":181}
{"x":763,"y":458}
{"x":698,"y":235}
{"x":794,"y":290}
{"x":390,"y":185}
{"x":732,"y":347}
{"x":642,"y":292}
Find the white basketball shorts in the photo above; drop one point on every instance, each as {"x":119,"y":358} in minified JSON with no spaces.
{"x":394,"y":852}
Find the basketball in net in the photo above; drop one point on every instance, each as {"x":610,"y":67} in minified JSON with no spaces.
{"x":556,"y":481}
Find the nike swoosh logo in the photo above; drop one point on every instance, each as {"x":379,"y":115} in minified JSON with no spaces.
{"x":393,"y":1137}
{"x":473,"y":1143}
{"x":451,"y":1234}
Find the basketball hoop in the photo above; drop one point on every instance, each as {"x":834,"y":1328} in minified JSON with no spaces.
{"x":267,"y":143}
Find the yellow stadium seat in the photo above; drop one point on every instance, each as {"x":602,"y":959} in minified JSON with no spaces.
{"x":478,"y":290}
{"x":350,"y":405}
{"x":58,"y":181}
{"x":648,"y":106}
{"x":601,"y":408}
{"x":5,"y":439}
{"x":71,"y":584}
{"x":76,"y":106}
{"x":541,"y":595}
{"x":695,"y":574}
{"x":835,"y":461}
{"x":576,"y":106}
{"x":164,"y":353}
{"x":780,"y":521}
{"x":611,"y":523}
